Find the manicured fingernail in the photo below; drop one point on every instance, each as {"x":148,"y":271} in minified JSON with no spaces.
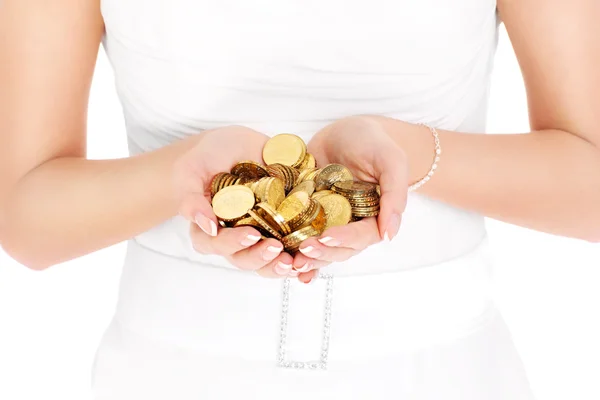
{"x":282,"y":269}
{"x":392,"y":228}
{"x":311,"y":252}
{"x":305,"y":268}
{"x":250,"y":240}
{"x":206,"y":224}
{"x":329,"y":241}
{"x":293,"y":274}
{"x":271,"y":253}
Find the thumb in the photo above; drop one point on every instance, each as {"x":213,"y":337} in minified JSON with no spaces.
{"x":196,"y":208}
{"x":193,"y":198}
{"x":393,"y":182}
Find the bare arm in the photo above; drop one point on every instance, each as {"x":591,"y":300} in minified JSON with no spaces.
{"x":547,"y":179}
{"x":54,"y":204}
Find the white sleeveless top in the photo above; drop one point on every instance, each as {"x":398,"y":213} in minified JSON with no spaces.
{"x":182,"y":66}
{"x":189,"y":326}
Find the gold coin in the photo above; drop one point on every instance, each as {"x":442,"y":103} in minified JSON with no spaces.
{"x":319,"y":194}
{"x":214,"y":184}
{"x":284,"y":149}
{"x":260,"y":190}
{"x":360,"y":199}
{"x":313,"y":174}
{"x":331,"y":174}
{"x":249,"y":169}
{"x":248,"y":182}
{"x":306,"y":216}
{"x":292,"y":242}
{"x":364,"y":204}
{"x":310,"y":162}
{"x":365,"y":209}
{"x":366,"y":215}
{"x":306,"y":186}
{"x":293,"y":205}
{"x":354,"y":187}
{"x":317,"y":218}
{"x":271,"y":230}
{"x":304,"y":173}
{"x":254,"y":185}
{"x":251,"y":222}
{"x":274,"y":219}
{"x":233,"y":202}
{"x":227,"y":180}
{"x":337,"y":210}
{"x":274,"y":192}
{"x":286,"y":173}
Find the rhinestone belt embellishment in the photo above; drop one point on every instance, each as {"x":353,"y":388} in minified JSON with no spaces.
{"x":321,"y":364}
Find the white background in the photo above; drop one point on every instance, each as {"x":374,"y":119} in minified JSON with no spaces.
{"x":51,"y":322}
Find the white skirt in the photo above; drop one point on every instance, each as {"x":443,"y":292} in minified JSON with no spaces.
{"x":430,"y":333}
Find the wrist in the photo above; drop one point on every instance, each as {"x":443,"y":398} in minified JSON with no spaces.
{"x":417,"y":143}
{"x":164,"y":163}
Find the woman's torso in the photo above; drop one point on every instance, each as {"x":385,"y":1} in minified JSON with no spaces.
{"x":182,"y":66}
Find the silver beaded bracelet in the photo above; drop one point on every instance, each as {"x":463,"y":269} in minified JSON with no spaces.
{"x":438,"y":151}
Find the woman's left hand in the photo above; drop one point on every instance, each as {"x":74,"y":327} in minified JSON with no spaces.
{"x":361,"y":144}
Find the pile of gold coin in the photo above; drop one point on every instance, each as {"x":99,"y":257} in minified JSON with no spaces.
{"x":290,"y":198}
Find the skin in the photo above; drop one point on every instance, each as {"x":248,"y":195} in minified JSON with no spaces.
{"x":547,"y":180}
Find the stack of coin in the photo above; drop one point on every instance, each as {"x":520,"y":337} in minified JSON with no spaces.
{"x":290,"y":198}
{"x":222,"y":180}
{"x":363,"y":197}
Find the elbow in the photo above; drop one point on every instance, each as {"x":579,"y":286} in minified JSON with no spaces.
{"x":594,"y":237}
{"x":28,"y":260}
{"x":591,"y":234}
{"x":23,"y":253}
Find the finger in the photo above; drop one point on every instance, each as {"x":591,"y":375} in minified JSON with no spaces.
{"x":228,"y":240}
{"x":257,"y":256}
{"x":313,"y":249}
{"x":196,"y":208}
{"x":392,"y":174}
{"x":356,"y":235}
{"x":307,"y":277}
{"x":303,"y":263}
{"x":280,"y":267}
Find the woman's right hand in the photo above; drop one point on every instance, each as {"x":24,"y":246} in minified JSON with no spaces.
{"x":215,"y":151}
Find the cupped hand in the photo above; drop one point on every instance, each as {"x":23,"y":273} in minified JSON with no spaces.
{"x":215,"y":151}
{"x":361,"y":144}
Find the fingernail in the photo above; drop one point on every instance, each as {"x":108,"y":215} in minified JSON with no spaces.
{"x":329,"y":241}
{"x":282,"y":269}
{"x":250,"y":240}
{"x":293,"y":274}
{"x":271,"y":253}
{"x":305,"y":268}
{"x":392,"y":228}
{"x":206,"y":224}
{"x":311,"y":251}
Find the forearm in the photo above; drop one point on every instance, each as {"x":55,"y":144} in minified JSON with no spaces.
{"x":545,"y":180}
{"x":69,"y":207}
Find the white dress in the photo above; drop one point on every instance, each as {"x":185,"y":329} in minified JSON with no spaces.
{"x":411,"y":319}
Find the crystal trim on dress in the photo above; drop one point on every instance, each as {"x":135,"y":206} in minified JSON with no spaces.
{"x":282,"y":361}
